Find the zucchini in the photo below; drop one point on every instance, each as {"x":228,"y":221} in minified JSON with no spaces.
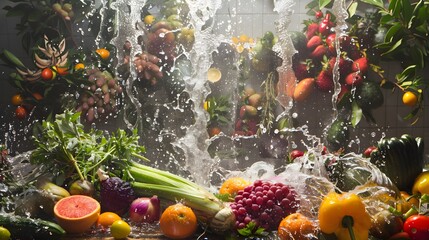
{"x":21,"y":227}
{"x":400,"y":159}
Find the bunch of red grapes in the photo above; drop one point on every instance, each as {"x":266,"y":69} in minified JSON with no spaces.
{"x":265,"y":204}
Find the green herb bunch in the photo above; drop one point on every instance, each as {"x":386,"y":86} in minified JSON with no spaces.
{"x":64,"y":148}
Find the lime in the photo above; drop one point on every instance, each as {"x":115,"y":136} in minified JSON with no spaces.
{"x":4,"y":233}
{"x":120,"y":229}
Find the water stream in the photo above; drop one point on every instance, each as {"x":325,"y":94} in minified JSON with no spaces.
{"x":169,"y":110}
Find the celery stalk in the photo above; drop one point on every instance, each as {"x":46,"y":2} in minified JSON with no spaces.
{"x":208,"y":208}
{"x":176,"y":178}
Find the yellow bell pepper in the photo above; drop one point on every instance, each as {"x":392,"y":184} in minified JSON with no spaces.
{"x":345,"y":216}
{"x":421,"y":184}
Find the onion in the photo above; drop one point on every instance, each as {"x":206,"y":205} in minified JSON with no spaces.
{"x":145,"y":210}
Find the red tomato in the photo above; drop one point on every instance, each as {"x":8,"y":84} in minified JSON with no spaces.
{"x":417,"y":226}
{"x":47,"y":74}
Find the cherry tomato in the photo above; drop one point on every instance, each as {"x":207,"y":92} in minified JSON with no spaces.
{"x":20,"y":112}
{"x":326,"y":25}
{"x":417,"y":226}
{"x":48,"y":74}
{"x":318,"y":14}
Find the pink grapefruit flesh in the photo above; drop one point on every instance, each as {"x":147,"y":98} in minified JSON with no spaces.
{"x":77,"y":213}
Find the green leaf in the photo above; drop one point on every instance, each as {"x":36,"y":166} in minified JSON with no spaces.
{"x":395,"y":30}
{"x":393,"y":48}
{"x":352,"y":9}
{"x":378,"y":3}
{"x":356,"y":114}
{"x":13,"y":59}
{"x":407,"y":11}
{"x":324,"y":3}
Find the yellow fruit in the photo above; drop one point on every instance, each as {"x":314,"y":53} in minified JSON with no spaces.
{"x":243,"y":38}
{"x":149,"y":19}
{"x":409,"y":99}
{"x":232,"y":185}
{"x":120,"y":229}
{"x":214,"y":75}
{"x":4,"y":233}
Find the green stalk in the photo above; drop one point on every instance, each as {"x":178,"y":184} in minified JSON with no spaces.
{"x":140,"y":157}
{"x":175,"y":178}
{"x":195,"y":200}
{"x":74,"y":162}
{"x":146,"y":176}
{"x":207,"y":207}
{"x":348,"y":222}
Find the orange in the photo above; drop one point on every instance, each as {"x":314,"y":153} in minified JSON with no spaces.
{"x":79,"y":66}
{"x":409,"y":99}
{"x":232,"y":185}
{"x":120,"y":229}
{"x":17,"y":99}
{"x":77,"y":213}
{"x":61,"y":70}
{"x":296,"y":226}
{"x":149,"y":19}
{"x":106,"y":219}
{"x":104,"y":53}
{"x":178,"y":221}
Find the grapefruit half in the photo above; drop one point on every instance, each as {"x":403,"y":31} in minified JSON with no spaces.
{"x":77,"y":213}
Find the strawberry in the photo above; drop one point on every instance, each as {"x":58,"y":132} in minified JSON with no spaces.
{"x":330,"y":42}
{"x":303,"y":69}
{"x":312,"y":29}
{"x":314,"y":42}
{"x":342,"y":92}
{"x":360,"y":64}
{"x":324,"y":81}
{"x":318,"y":52}
{"x":345,"y":43}
{"x":354,"y":79}
{"x":344,"y":66}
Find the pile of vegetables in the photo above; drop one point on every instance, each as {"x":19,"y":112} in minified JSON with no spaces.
{"x":112,"y":166}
